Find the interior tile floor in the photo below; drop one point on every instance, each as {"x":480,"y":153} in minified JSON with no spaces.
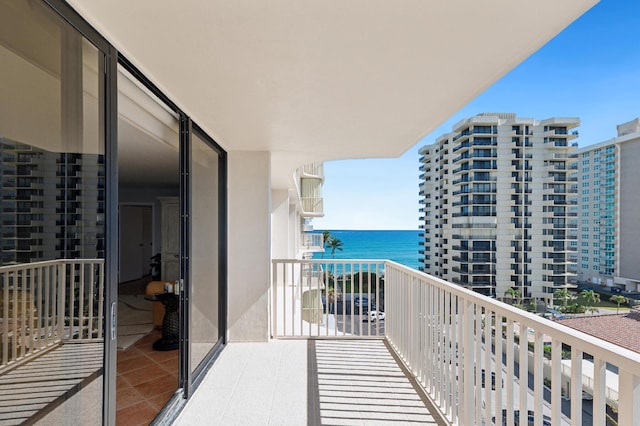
{"x":145,"y":382}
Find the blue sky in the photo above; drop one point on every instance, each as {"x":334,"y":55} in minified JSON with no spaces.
{"x":591,"y":70}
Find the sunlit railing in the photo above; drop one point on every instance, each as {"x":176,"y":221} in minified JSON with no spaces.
{"x":45,"y":303}
{"x":312,"y":241}
{"x":312,"y":205}
{"x":463,"y":348}
{"x":316,"y":298}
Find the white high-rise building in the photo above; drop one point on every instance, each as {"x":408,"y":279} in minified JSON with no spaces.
{"x":609,"y":203}
{"x":499,"y":204}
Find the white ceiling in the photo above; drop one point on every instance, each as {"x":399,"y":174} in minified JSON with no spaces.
{"x":312,"y":80}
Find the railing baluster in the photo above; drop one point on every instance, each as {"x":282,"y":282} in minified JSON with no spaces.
{"x":556,"y":379}
{"x":61,"y":282}
{"x":538,"y":372}
{"x":5,"y":318}
{"x":509,"y":371}
{"x":575,"y":393}
{"x":599,"y":395}
{"x":629,"y":397}
{"x":92,"y":283}
{"x":523,"y":370}
{"x":498,"y":342}
{"x":442,"y":331}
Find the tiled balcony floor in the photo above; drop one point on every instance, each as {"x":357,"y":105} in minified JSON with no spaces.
{"x":297,"y":382}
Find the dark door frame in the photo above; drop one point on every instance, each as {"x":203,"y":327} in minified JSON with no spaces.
{"x":110,"y":60}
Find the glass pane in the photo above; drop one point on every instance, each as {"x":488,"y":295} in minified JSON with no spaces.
{"x":204,"y":250}
{"x":149,"y":249}
{"x":52,"y":219}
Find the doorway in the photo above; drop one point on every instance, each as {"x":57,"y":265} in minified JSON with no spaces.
{"x":136,"y":242}
{"x":148,"y":175}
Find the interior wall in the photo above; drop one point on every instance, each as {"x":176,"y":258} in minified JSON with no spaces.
{"x":149,"y":195}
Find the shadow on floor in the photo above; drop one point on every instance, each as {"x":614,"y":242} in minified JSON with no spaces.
{"x":359,"y":382}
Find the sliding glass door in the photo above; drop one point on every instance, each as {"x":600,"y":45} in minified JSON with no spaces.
{"x":204,"y":269}
{"x":78,"y":136}
{"x":53,"y":221}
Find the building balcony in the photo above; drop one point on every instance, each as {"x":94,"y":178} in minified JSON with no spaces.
{"x":421,"y":340}
{"x":312,"y":207}
{"x":312,"y":170}
{"x":312,"y":242}
{"x":326,"y":364}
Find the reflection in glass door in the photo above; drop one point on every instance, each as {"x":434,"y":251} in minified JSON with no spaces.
{"x":52,"y":183}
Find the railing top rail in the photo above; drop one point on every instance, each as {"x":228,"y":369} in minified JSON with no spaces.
{"x":9,"y":268}
{"x":341,"y":261}
{"x":622,"y":357}
{"x":614,"y":354}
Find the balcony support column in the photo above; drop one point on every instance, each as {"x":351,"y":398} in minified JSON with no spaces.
{"x":249,"y":247}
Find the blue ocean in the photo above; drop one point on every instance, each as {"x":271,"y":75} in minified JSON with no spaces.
{"x":399,"y":246}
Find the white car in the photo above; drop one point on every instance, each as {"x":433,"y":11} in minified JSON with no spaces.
{"x":373,"y":316}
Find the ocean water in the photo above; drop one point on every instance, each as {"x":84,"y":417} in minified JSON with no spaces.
{"x":399,"y":246}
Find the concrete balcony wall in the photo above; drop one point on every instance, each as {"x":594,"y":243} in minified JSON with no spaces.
{"x":249,"y":247}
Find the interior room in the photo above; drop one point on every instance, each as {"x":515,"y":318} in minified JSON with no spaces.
{"x":148,"y":209}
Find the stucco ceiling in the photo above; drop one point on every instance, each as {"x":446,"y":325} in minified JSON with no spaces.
{"x":316,"y":80}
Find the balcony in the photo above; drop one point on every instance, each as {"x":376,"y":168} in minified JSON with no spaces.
{"x":312,"y":206}
{"x":312,"y":242}
{"x":437,"y":335}
{"x":50,"y":312}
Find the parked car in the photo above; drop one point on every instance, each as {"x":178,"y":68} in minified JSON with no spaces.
{"x":374,"y":316}
{"x":556,"y":314}
{"x":546,"y":420}
{"x":361,"y":305}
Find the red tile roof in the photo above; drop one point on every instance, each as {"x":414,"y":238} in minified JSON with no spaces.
{"x":619,"y":329}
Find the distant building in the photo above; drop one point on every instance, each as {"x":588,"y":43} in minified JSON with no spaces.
{"x":499,"y":208}
{"x":609,"y":201}
{"x":53,"y":204}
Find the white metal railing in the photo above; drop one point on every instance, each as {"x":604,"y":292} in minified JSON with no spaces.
{"x":463,"y":348}
{"x":318,"y":298}
{"x":312,"y":241}
{"x":45,"y":303}
{"x":312,"y":205}
{"x":313,"y":169}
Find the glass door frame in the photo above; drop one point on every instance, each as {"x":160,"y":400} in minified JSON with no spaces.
{"x":110,"y":60}
{"x":190,"y":378}
{"x":108,"y":115}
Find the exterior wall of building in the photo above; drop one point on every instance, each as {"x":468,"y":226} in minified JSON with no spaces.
{"x":498,"y":196}
{"x":629,"y":196}
{"x":608,"y":203}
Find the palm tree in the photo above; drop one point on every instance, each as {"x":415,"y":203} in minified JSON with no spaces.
{"x":593,"y":310}
{"x":591,"y":297}
{"x":617,"y":298}
{"x":514,"y":293}
{"x":564,"y":295}
{"x":334,"y":244}
{"x":326,"y":235}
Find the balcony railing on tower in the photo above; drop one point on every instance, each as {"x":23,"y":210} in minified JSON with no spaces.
{"x":468,"y":352}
